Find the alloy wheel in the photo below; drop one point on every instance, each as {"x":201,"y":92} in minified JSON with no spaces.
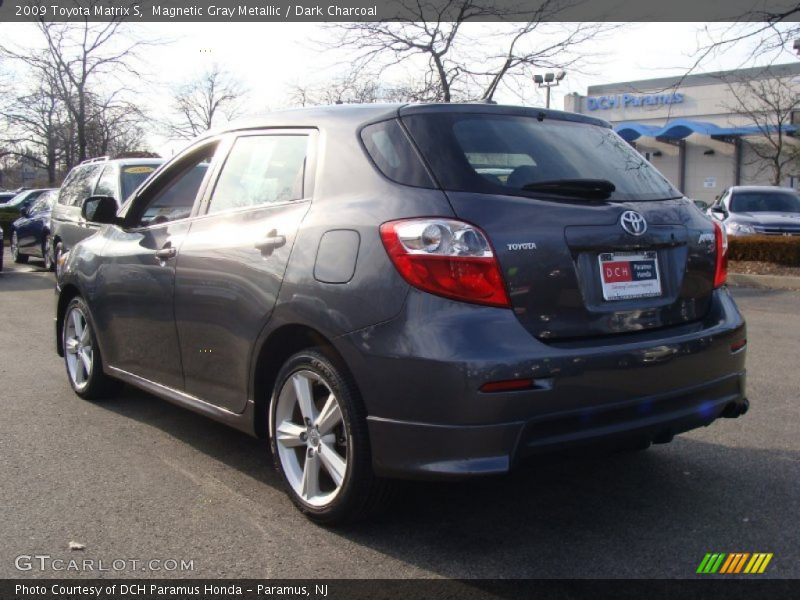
{"x":79,"y":352}
{"x":311,"y":438}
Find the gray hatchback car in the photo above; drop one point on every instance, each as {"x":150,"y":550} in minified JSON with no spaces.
{"x":415,"y":291}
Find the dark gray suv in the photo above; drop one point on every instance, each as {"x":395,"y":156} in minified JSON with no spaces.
{"x":420,"y":291}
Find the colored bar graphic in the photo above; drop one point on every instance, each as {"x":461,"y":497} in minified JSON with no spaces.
{"x":729,"y":564}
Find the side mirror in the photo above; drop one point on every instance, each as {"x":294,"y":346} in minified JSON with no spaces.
{"x":100,"y":209}
{"x":25,"y":211}
{"x":719,"y":212}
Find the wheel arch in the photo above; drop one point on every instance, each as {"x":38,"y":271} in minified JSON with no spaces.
{"x":67,"y":293}
{"x":282,"y":343}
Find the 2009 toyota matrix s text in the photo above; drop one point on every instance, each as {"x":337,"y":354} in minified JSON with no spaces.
{"x":409,"y":291}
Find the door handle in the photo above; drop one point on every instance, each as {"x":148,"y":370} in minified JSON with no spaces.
{"x":270,"y":243}
{"x":166,"y":253}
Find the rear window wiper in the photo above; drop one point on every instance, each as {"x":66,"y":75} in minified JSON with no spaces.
{"x":595,"y":189}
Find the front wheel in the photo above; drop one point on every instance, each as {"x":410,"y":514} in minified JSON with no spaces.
{"x":18,"y":258}
{"x":319,"y":441}
{"x":82,"y":355}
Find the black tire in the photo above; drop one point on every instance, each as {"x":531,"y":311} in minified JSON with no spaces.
{"x":18,"y":258}
{"x":361,"y":494}
{"x":47,"y":253}
{"x":97,"y":385}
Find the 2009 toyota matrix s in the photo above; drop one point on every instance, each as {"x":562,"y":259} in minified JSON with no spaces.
{"x":409,"y":291}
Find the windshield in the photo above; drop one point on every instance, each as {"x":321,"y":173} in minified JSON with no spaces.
{"x":500,"y":154}
{"x":767,"y":201}
{"x":133,"y":176}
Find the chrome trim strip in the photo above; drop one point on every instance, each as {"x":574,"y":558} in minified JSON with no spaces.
{"x":172,"y":395}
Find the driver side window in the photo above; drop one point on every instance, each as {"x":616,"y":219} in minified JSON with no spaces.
{"x":174,"y":198}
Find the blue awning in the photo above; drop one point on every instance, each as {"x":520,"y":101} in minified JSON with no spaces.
{"x":682,"y":128}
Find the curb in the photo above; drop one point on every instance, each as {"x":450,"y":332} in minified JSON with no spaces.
{"x":772,"y":282}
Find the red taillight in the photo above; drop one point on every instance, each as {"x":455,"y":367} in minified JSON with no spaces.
{"x":721,"y":247}
{"x":446,"y":257}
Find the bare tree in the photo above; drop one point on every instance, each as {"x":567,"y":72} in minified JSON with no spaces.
{"x":199,"y":103}
{"x":766,"y":33}
{"x":115,"y":127}
{"x":460,"y":66}
{"x":75,"y":58}
{"x":356,"y":87}
{"x":34,"y":127}
{"x":767,"y":103}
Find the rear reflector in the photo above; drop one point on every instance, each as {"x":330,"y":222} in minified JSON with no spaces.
{"x":507,"y":386}
{"x":721,"y":247}
{"x":738,"y":345}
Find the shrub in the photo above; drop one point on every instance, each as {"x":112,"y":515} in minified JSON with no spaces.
{"x":781,"y":250}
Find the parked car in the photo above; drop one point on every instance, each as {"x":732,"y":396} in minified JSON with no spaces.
{"x":30,"y":234}
{"x":357,"y":284}
{"x":115,"y":178}
{"x":12,"y":209}
{"x":758,"y":209}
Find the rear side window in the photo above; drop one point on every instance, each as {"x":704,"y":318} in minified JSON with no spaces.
{"x":501,"y":154}
{"x":392,"y":152}
{"x":78,"y":185}
{"x":261,"y":169}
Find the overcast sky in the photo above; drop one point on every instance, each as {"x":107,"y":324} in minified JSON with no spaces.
{"x":270,"y":57}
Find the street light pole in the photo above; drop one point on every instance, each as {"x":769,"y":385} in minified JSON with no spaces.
{"x":547,"y":81}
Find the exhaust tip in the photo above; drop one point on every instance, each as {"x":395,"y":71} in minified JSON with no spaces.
{"x":736,"y":409}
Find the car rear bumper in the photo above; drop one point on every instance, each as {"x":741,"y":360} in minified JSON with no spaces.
{"x":420,"y":377}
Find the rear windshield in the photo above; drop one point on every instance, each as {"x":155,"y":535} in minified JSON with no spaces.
{"x":499,"y":154}
{"x":765,"y":202}
{"x":133,"y":175}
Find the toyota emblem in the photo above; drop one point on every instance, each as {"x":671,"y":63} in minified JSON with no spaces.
{"x":633,"y":222}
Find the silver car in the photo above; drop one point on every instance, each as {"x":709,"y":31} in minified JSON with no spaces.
{"x":758,"y":209}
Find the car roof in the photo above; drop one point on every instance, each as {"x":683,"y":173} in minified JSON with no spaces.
{"x":122,"y":161}
{"x":762,"y":188}
{"x":359,"y":114}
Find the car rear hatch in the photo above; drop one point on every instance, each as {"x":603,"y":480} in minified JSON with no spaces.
{"x":577,"y":261}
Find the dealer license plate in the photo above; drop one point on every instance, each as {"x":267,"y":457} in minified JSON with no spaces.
{"x":628,"y":275}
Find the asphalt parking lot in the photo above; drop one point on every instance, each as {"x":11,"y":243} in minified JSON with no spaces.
{"x":137,"y":478}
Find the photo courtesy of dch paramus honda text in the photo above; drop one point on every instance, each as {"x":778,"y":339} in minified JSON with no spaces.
{"x":408,"y":291}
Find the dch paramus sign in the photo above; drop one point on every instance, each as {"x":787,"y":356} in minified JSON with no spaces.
{"x":632,"y":100}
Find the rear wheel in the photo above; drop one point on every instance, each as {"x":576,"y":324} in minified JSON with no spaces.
{"x":18,"y":258}
{"x":47,"y":252}
{"x":318,"y":435}
{"x":82,"y":355}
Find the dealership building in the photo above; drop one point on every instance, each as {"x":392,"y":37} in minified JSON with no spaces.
{"x":691,"y":128}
